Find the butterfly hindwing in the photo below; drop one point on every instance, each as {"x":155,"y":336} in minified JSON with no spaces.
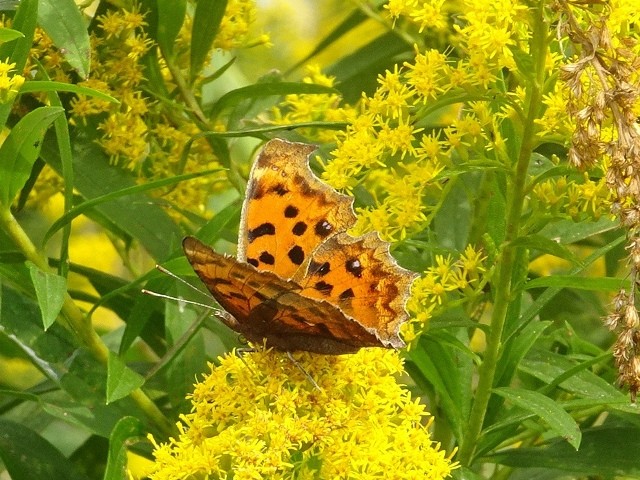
{"x":363,"y":280}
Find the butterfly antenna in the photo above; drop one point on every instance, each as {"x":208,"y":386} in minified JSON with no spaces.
{"x":216,"y":311}
{"x":169,"y":273}
{"x":178,"y":299}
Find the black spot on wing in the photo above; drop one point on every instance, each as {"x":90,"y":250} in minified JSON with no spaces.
{"x":219,"y":281}
{"x":323,"y":228}
{"x":253,"y":261}
{"x":291,"y":212}
{"x":296,"y":255}
{"x":267,"y":258}
{"x":279,"y":189}
{"x":299,"y":228}
{"x":320,"y":269}
{"x":354,"y":267}
{"x":347,"y":294}
{"x":324,"y":287}
{"x":261,"y":230}
{"x":260,"y":296}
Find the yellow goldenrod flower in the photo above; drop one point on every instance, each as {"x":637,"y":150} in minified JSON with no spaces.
{"x":259,"y":417}
{"x":9,"y":84}
{"x":299,"y":108}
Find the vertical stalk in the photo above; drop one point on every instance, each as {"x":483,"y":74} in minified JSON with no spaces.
{"x":507,"y":258}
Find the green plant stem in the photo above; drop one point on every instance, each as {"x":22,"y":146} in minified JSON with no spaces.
{"x":507,"y":258}
{"x":76,"y":321}
{"x":187,"y":94}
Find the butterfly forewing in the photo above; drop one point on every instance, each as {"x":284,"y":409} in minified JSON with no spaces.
{"x":288,"y":211}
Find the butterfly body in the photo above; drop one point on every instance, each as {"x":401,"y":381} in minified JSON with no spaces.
{"x":300,"y":282}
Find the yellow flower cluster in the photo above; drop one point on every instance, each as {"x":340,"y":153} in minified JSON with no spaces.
{"x":560,"y":197}
{"x":139,"y":134}
{"x":234,"y":31}
{"x":118,"y":46}
{"x":360,"y":424}
{"x":396,"y":149}
{"x":437,"y":286}
{"x":9,"y":83}
{"x":423,"y":14}
{"x":235,"y":26}
{"x":300,"y":108}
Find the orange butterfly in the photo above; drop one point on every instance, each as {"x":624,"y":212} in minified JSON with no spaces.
{"x":300,"y":282}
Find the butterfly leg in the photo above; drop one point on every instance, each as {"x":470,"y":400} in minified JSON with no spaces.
{"x":306,"y":374}
{"x":241,"y":352}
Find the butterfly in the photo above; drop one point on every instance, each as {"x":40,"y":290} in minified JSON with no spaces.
{"x":299,"y":280}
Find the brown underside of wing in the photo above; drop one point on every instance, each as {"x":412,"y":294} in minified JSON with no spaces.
{"x":267,"y":306}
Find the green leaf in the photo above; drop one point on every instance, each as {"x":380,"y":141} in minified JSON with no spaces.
{"x":7,"y":34}
{"x":547,"y":296}
{"x":604,"y":284}
{"x":50,"y":291}
{"x":524,"y":61}
{"x":21,"y":323}
{"x":515,"y":348}
{"x":137,"y":215}
{"x":170,"y":19}
{"x":206,"y":22}
{"x":186,"y":359}
{"x":64,"y":23}
{"x":126,"y":430}
{"x":455,"y":204}
{"x":259,"y":90}
{"x":546,"y":245}
{"x":605,"y":452}
{"x":449,"y":372}
{"x":121,"y":380}
{"x":89,"y":204}
{"x":352,"y":21}
{"x":21,"y":148}
{"x":568,"y":231}
{"x":51,"y":86}
{"x":549,"y":367}
{"x":28,"y":456}
{"x":226,"y":218}
{"x":24,"y":21}
{"x":558,"y":420}
{"x":17,"y":52}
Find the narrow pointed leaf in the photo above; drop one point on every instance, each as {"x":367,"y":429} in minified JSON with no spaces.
{"x":7,"y":34}
{"x":171,"y":15}
{"x":50,"y":290}
{"x":206,"y":22}
{"x":63,"y":22}
{"x":21,"y":148}
{"x":549,"y":411}
{"x":121,"y":380}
